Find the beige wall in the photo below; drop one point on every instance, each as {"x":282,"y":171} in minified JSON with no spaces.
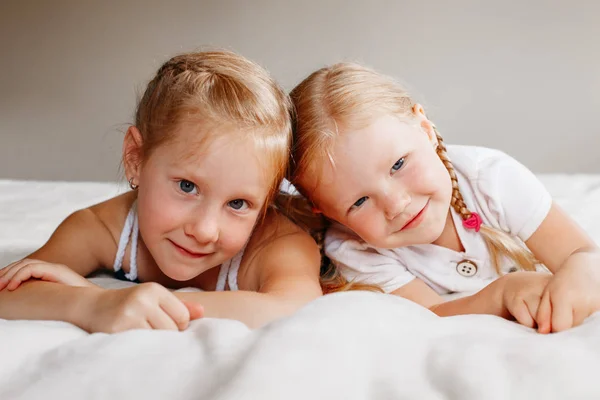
{"x":522,"y":76}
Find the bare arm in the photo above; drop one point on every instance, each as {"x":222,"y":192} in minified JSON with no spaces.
{"x":36,"y":300}
{"x":558,"y":243}
{"x":486,"y":301}
{"x":574,"y":258}
{"x":80,"y":242}
{"x":287,"y":272}
{"x":559,"y":240}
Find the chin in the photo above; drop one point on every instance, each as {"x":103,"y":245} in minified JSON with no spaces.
{"x":412,"y":238}
{"x":182,"y":274}
{"x":178,"y":276}
{"x":432,"y":236}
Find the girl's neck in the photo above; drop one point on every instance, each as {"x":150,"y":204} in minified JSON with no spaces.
{"x":449,"y":237}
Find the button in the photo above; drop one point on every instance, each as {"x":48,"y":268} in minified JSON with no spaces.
{"x":466,"y":268}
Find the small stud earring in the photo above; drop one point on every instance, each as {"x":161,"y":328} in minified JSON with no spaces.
{"x":132,"y":185}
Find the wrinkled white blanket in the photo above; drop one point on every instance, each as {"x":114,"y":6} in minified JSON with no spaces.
{"x":347,"y":345}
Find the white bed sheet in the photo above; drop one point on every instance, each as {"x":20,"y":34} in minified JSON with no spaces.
{"x":347,"y":346}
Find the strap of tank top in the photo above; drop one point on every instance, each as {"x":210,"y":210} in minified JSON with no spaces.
{"x":132,"y":275}
{"x":129,"y":229}
{"x":223,"y":272}
{"x":234,"y":268}
{"x":229,"y":272}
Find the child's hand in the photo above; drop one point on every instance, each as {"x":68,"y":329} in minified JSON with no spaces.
{"x":144,"y":306}
{"x":522,"y":294}
{"x":572,"y":295}
{"x":18,"y":272}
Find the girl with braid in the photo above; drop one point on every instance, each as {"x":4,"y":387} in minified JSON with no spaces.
{"x":414,"y":217}
{"x":204,"y":160}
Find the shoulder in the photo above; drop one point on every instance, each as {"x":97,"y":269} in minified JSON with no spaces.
{"x":504,"y":189}
{"x":85,"y":240}
{"x":111,"y":214}
{"x":275,"y":231}
{"x":106,"y":220}
{"x":278,"y":245}
{"x":114,"y":211}
{"x":473,"y":162}
{"x":490,"y":172}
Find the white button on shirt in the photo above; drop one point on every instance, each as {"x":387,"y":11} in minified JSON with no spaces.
{"x":466,"y":268}
{"x":506,"y":195}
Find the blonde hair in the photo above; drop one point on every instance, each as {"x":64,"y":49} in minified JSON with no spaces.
{"x":217,"y":88}
{"x":348,"y":95}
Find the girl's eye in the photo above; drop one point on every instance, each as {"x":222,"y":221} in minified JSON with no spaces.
{"x":187,"y":187}
{"x":360,"y":201}
{"x":238,"y":204}
{"x":397,"y":165}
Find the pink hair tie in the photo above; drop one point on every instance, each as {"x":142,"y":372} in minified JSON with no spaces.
{"x":473,"y":222}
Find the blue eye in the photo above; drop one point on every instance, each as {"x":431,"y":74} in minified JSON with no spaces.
{"x":187,"y":186}
{"x":398,"y":165}
{"x":360,"y":201}
{"x":238,"y":204}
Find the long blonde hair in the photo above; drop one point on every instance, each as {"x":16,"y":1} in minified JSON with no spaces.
{"x":216,"y":88}
{"x":348,"y":95}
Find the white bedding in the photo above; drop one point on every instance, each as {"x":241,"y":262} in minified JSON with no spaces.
{"x":347,"y":346}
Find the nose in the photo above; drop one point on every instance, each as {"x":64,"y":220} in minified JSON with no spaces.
{"x":203,"y":226}
{"x":395,"y":203}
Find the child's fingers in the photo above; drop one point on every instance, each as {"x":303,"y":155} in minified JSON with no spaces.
{"x":5,"y":270}
{"x":196,"y":310}
{"x":12,"y":271}
{"x":579,"y":316}
{"x":159,"y":319}
{"x":13,"y":284}
{"x":544,"y":314}
{"x":36,"y":271}
{"x":533,"y":305}
{"x":562,"y":316}
{"x":176,"y":310}
{"x":21,"y":275}
{"x":3,"y":280}
{"x":521,"y":313}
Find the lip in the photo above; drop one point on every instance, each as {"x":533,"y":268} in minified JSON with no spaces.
{"x":186,"y":252}
{"x":416,"y":220}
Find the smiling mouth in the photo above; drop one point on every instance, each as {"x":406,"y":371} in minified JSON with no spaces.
{"x":416,"y":220}
{"x":188,"y":253}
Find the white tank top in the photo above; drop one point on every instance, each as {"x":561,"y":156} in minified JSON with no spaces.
{"x":227,"y":274}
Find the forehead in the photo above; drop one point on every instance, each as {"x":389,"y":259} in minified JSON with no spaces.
{"x":225,"y":153}
{"x":358,"y":156}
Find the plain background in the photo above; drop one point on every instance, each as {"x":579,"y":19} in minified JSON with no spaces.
{"x":521,"y":76}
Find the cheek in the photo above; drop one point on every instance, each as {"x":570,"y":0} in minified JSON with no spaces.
{"x":235,"y":232}
{"x":429,"y":175}
{"x":369,"y":226}
{"x":158,"y":211}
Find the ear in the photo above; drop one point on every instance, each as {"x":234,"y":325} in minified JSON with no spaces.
{"x":132,"y":154}
{"x":426,"y":125}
